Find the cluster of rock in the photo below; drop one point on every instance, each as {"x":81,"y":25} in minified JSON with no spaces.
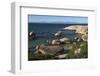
{"x":54,"y":47}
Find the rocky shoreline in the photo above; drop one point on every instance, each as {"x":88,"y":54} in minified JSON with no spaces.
{"x":61,"y":48}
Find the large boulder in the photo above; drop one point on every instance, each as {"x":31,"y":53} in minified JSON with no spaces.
{"x":85,"y":37}
{"x":77,"y":51}
{"x":56,"y":42}
{"x":62,"y":56}
{"x":64,"y":40}
{"x":51,"y":50}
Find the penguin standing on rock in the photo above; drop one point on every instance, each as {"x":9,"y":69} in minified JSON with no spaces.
{"x":58,"y":34}
{"x":31,"y":35}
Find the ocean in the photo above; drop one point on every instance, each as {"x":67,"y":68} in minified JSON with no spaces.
{"x":45,"y":31}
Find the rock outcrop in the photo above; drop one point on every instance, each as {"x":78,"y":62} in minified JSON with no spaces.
{"x":80,"y":29}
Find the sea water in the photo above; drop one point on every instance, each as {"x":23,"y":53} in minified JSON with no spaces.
{"x":46,"y":31}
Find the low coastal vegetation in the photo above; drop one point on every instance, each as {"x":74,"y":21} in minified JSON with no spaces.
{"x":61,"y":48}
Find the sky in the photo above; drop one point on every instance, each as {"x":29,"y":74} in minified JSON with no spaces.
{"x":57,"y":19}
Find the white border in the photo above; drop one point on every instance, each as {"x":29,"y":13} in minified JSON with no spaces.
{"x":19,"y":38}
